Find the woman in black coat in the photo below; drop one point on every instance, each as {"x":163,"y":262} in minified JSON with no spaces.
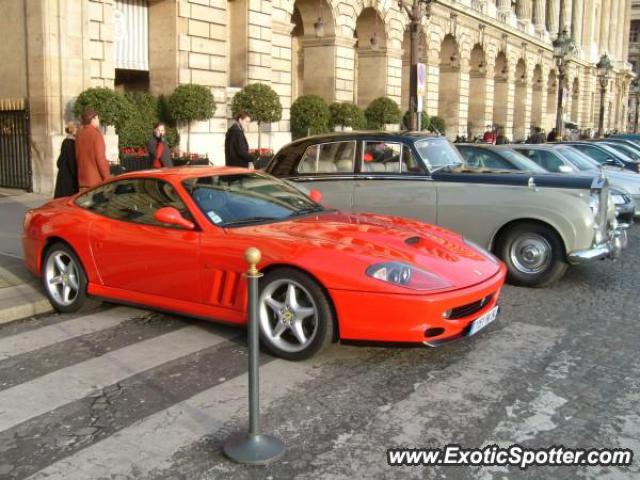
{"x":67,"y":179}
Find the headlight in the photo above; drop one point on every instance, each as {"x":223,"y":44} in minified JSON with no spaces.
{"x":482,"y":250}
{"x":618,"y":199}
{"x":408,"y":276}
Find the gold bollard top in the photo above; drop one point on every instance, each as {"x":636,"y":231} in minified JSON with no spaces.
{"x":252,"y":255}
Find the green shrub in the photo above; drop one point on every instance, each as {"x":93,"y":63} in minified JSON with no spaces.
{"x":112,"y":107}
{"x":136,"y":130}
{"x":260,"y":101}
{"x":347,"y":115}
{"x":406,"y":120}
{"x":189,"y":103}
{"x":309,"y":116}
{"x":437,"y":125}
{"x":380,"y":111}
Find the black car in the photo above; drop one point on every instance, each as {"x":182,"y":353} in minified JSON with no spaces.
{"x":606,"y":155}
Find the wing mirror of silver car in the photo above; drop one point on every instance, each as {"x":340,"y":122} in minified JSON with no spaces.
{"x":613,"y":162}
{"x":171,"y":216}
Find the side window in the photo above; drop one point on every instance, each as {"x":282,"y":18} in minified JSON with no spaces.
{"x":409,"y":162}
{"x":494,"y":160}
{"x":598,"y":155}
{"x":550,"y":162}
{"x":334,"y":157}
{"x":485,"y":159}
{"x":135,"y":200}
{"x":381,"y":157}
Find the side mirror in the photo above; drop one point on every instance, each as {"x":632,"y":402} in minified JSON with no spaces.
{"x":172,"y":216}
{"x":613,"y":162}
{"x":565,"y":169}
{"x":315,"y":195}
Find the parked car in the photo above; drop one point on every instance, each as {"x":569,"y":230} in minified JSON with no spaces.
{"x":537,"y":224}
{"x":174,"y":240}
{"x":606,"y":155}
{"x":549,"y":158}
{"x":633,"y":137}
{"x":560,"y":158}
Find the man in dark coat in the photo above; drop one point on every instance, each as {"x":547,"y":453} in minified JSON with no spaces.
{"x":159,"y":153}
{"x":67,"y":178}
{"x":553,"y":135}
{"x":236,"y":148}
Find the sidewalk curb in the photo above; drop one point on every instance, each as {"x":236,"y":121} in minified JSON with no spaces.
{"x":22,"y":301}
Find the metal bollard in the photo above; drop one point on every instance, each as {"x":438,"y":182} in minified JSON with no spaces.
{"x":253,"y":448}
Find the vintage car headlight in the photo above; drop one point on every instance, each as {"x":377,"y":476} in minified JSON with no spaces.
{"x":486,"y":252}
{"x":408,"y":276}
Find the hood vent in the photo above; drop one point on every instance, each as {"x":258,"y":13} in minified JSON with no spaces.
{"x":412,"y":240}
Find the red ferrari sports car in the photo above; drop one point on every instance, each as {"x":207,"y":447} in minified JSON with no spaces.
{"x":174,"y":240}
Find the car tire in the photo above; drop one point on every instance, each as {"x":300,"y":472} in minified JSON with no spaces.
{"x":64,"y":280}
{"x":534,"y":254}
{"x":294,"y":324}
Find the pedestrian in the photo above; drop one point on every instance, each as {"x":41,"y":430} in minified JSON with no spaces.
{"x":236,"y":148}
{"x":501,"y":138}
{"x":67,"y":178}
{"x":159,"y":153}
{"x":553,"y":135}
{"x":538,"y":136}
{"x":91,"y":160}
{"x":489,"y":136}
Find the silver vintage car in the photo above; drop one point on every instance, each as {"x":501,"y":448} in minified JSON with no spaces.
{"x":537,"y":224}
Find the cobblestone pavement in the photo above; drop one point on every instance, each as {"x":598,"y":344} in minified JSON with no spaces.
{"x":128,"y":394}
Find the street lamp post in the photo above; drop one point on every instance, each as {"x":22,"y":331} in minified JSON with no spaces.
{"x":604,"y":67}
{"x":563,"y":50}
{"x":415,"y":12}
{"x":635,"y":91}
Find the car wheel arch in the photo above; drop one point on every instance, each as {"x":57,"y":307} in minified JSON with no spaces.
{"x":276,"y":266}
{"x":495,"y":240}
{"x":49,"y":242}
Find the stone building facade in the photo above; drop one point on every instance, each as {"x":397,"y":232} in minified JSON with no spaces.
{"x":634,"y":59}
{"x":489,"y":62}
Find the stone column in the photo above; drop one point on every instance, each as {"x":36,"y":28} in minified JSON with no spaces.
{"x":576,"y":21}
{"x":622,"y":13}
{"x":626,"y":28}
{"x":612,"y":38}
{"x":282,"y":69}
{"x":345,"y":62}
{"x":553,"y":16}
{"x":523,"y":10}
{"x":394,"y":74}
{"x":605,"y":13}
{"x":489,"y":92}
{"x":433,"y":81}
{"x":539,"y":16}
{"x":463,"y":111}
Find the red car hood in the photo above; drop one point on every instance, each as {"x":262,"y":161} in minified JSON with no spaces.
{"x":386,"y":238}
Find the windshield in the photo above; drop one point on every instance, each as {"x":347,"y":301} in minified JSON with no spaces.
{"x":578,"y":159}
{"x":624,"y":149}
{"x":438,"y":153}
{"x":243,"y":199}
{"x":522,"y":162}
{"x":615,"y":153}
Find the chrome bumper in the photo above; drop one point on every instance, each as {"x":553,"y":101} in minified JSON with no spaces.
{"x":617,"y":242}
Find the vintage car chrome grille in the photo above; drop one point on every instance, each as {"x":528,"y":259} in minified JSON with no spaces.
{"x":600,"y":186}
{"x":468,"y":309}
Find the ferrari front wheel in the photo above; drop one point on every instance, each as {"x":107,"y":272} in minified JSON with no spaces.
{"x":64,"y":279}
{"x":295,"y":316}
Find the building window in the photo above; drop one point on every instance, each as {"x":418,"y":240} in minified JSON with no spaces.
{"x":634,"y":33}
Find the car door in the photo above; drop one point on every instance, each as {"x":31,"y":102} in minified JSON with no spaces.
{"x":391,"y":181}
{"x":330,"y":168}
{"x":133,"y":251}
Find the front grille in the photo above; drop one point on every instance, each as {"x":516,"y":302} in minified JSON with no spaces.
{"x":469,"y":309}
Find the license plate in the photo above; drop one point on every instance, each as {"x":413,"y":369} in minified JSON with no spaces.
{"x":481,"y":322}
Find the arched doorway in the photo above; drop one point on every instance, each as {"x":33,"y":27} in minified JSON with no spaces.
{"x":449,"y":85}
{"x":536,"y":97}
{"x":501,"y":91}
{"x":520,"y":102}
{"x":477,"y":93}
{"x":371,"y":59}
{"x":312,"y":50}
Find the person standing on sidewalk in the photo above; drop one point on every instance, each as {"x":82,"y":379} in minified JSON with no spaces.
{"x":159,"y":154}
{"x":93,"y":167}
{"x":236,"y":148}
{"x":67,"y":178}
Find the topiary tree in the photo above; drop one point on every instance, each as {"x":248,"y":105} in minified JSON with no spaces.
{"x":261,"y":102}
{"x":437,"y":125}
{"x":346,"y":114}
{"x":189,"y":103}
{"x":380,"y":111}
{"x":406,"y":120}
{"x":309,"y":116}
{"x":112,"y":107}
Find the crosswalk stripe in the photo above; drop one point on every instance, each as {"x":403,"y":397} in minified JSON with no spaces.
{"x":59,"y":332}
{"x":30,"y":399}
{"x":149,"y":444}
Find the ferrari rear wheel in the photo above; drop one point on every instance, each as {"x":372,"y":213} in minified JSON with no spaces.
{"x":296,"y":319}
{"x":64,"y":279}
